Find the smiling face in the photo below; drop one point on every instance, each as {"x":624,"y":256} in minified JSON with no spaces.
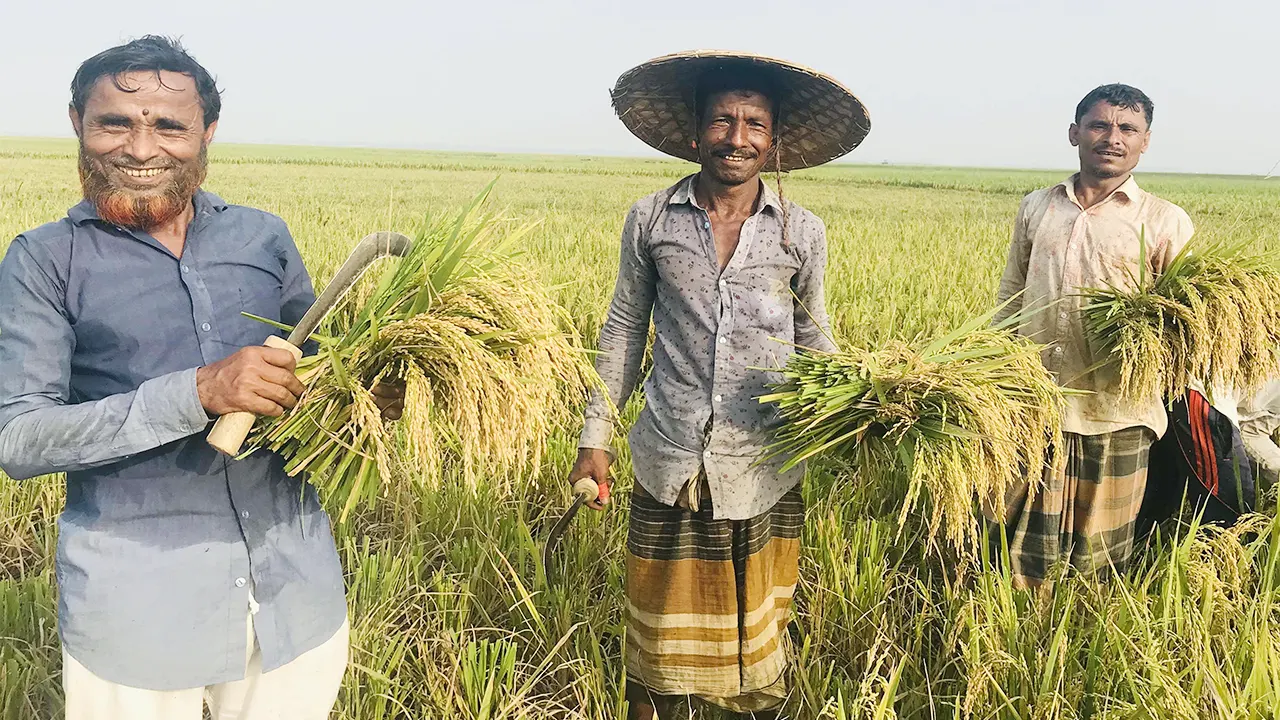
{"x":143,"y":146}
{"x":1111,"y":139}
{"x":736,"y":136}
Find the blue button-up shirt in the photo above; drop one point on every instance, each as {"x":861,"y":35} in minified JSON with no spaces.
{"x":162,"y":538}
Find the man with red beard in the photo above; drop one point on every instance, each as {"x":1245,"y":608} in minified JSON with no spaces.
{"x":184,"y":577}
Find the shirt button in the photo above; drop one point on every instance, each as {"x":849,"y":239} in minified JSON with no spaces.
{"x":707,"y":454}
{"x":245,"y":514}
{"x":1057,"y":351}
{"x":1062,"y":315}
{"x":186,"y":269}
{"x":706,"y":224}
{"x":724,"y":340}
{"x":206,"y":327}
{"x":718,"y":398}
{"x":239,"y":582}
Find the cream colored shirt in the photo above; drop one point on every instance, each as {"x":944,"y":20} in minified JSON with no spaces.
{"x":1060,"y":248}
{"x":1260,"y":412}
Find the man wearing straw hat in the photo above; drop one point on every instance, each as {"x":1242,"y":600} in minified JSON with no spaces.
{"x":1085,"y":232}
{"x":732,"y":275}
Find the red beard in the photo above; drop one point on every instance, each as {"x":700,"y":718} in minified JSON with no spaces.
{"x":140,"y":209}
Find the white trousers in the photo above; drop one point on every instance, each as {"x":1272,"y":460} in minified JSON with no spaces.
{"x":304,"y":689}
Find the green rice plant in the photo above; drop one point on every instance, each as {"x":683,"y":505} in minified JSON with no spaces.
{"x":487,"y":674}
{"x":969,"y":415}
{"x":28,"y":518}
{"x":1192,"y":631}
{"x":1212,"y":316}
{"x":490,"y":363}
{"x":30,"y":658}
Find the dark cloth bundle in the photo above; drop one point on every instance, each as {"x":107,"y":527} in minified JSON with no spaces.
{"x":1202,"y":458}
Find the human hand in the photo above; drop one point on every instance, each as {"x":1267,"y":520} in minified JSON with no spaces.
{"x":593,"y":463}
{"x":389,"y":397}
{"x":258,"y":380}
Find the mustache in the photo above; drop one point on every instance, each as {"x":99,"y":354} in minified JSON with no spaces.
{"x":748,"y":153}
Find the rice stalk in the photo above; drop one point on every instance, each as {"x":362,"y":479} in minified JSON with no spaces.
{"x":1212,"y":316}
{"x":490,"y":362}
{"x":973,"y":413}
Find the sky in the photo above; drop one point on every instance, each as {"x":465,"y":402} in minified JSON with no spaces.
{"x":987,"y":84}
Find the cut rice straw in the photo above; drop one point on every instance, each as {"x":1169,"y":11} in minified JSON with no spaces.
{"x":1211,"y":317}
{"x":490,"y":362}
{"x":973,"y":414}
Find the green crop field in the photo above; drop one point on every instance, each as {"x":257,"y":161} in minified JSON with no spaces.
{"x":452,"y":615}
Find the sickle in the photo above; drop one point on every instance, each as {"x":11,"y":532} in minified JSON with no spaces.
{"x":230,"y":430}
{"x":584,"y":491}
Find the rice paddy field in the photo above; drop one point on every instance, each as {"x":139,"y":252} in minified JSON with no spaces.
{"x":451,"y":609}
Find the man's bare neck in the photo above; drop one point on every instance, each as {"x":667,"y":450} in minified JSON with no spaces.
{"x":727,"y":200}
{"x":1092,"y":190}
{"x":173,"y":234}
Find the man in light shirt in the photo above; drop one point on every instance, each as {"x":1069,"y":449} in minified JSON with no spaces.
{"x":1085,"y":232}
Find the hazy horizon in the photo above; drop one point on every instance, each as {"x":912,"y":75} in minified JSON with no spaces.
{"x":991,"y":84}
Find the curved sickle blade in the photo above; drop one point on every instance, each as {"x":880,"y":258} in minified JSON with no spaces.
{"x":374,"y":246}
{"x":557,"y":531}
{"x":584,"y":490}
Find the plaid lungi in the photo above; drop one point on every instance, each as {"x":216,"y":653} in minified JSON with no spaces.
{"x":708,"y":601}
{"x":1086,"y":509}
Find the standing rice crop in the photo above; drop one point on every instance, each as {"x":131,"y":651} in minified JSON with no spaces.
{"x":972,"y":413}
{"x":490,"y":363}
{"x":1213,"y":316}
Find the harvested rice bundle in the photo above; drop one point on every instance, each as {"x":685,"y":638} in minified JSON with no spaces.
{"x":1213,"y":316}
{"x":490,"y":363}
{"x":974,"y":413}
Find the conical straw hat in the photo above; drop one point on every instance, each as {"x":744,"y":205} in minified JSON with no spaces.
{"x":820,"y":119}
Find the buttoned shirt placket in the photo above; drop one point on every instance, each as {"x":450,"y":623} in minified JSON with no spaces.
{"x":725,"y":321}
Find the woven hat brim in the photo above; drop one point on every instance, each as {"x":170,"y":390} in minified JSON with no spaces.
{"x":821,"y":119}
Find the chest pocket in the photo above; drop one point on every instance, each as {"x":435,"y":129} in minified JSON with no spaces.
{"x":764,"y":287}
{"x":1115,"y":257}
{"x":250,"y":282}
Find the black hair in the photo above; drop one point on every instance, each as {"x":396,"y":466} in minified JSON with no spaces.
{"x":150,"y":53}
{"x":1123,"y":96}
{"x":730,"y":78}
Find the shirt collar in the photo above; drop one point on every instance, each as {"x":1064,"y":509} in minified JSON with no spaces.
{"x":684,"y":195}
{"x":1128,"y":189}
{"x":204,"y":201}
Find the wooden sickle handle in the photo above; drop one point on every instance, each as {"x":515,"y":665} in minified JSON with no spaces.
{"x":587,"y":489}
{"x":230,"y":430}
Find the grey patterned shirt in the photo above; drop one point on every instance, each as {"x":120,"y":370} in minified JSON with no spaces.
{"x":716,"y":337}
{"x":161,"y":539}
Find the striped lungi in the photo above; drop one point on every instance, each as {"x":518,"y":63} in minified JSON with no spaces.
{"x":708,"y":601}
{"x":1085,"y":512}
